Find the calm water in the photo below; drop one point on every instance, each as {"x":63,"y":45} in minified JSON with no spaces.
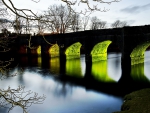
{"x":70,"y":88}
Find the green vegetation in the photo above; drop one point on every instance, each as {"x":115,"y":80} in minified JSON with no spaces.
{"x":137,"y":55}
{"x":136,"y":102}
{"x":54,"y":50}
{"x":73,"y":51}
{"x":99,"y":51}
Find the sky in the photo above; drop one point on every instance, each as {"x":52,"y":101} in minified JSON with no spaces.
{"x":135,"y":12}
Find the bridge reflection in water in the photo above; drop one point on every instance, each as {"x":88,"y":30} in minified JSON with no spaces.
{"x":104,"y":71}
{"x":137,"y":73}
{"x":74,"y":68}
{"x":55,"y":65}
{"x":104,"y":75}
{"x":99,"y":71}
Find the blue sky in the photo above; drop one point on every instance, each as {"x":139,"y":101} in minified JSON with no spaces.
{"x":135,"y":12}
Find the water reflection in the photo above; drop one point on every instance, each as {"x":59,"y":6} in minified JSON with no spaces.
{"x":55,"y":65}
{"x":39,"y":61}
{"x":147,"y":64}
{"x":74,"y":68}
{"x":62,"y":95}
{"x":137,"y":73}
{"x":12,"y":97}
{"x":114,"y":66}
{"x":99,"y":71}
{"x":140,"y":71}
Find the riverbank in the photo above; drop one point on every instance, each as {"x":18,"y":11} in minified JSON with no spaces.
{"x":136,"y":102}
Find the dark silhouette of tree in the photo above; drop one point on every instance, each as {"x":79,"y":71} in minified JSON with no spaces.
{"x":76,"y":22}
{"x":97,"y":23}
{"x":118,"y":24}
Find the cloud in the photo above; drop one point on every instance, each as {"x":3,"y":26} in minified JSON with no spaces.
{"x":4,"y":20}
{"x":136,"y":9}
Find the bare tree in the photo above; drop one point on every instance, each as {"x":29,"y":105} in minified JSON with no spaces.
{"x":24,"y":13}
{"x":11,"y":98}
{"x":85,"y":22}
{"x":92,"y":5}
{"x":76,"y":22}
{"x":102,"y":24}
{"x":5,"y":22}
{"x":94,"y":21}
{"x":17,"y":25}
{"x":60,"y":18}
{"x":118,"y":24}
{"x":97,"y":23}
{"x":41,"y":26}
{"x":29,"y":14}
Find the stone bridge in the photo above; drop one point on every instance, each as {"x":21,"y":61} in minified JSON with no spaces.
{"x":132,"y":42}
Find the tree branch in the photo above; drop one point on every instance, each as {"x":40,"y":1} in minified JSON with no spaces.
{"x":19,"y":97}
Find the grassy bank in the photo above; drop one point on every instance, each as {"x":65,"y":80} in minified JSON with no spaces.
{"x":136,"y":102}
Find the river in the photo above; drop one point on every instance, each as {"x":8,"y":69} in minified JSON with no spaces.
{"x":68,"y":86}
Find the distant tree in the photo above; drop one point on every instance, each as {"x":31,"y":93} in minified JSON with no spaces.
{"x":97,"y":23}
{"x":5,"y":23}
{"x":76,"y":22}
{"x":118,"y":24}
{"x":40,"y":26}
{"x":5,"y":32}
{"x":102,"y":24}
{"x":60,"y":18}
{"x":85,"y":22}
{"x":94,"y":21}
{"x":17,"y":25}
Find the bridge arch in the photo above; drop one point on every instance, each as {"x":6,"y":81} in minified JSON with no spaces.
{"x":73,"y":51}
{"x":54,"y":50}
{"x":99,"y":51}
{"x":137,"y":55}
{"x":38,"y":50}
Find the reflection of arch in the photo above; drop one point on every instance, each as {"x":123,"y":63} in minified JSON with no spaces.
{"x":99,"y":71}
{"x":73,"y":51}
{"x":55,"y":65}
{"x":54,"y":50}
{"x":99,"y":51}
{"x":137,"y":55}
{"x":39,"y":61}
{"x":73,"y":68}
{"x":137,"y":73}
